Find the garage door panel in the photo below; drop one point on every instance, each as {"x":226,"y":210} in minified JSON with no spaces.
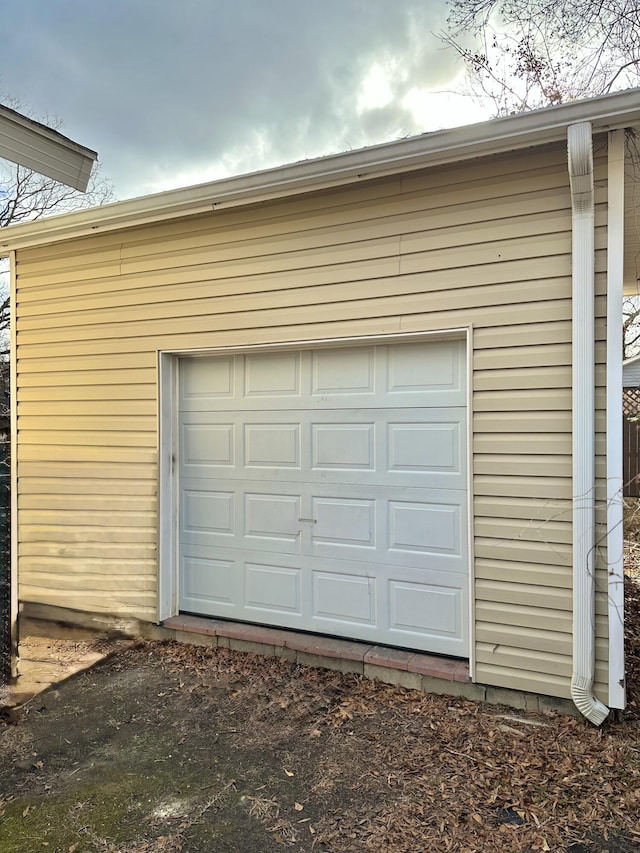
{"x":425,"y":448}
{"x":429,"y":375}
{"x":343,"y":522}
{"x":329,"y":377}
{"x":427,"y":610}
{"x":273,"y":589}
{"x":415,"y":608}
{"x":325,"y":490}
{"x":344,"y":599}
{"x":208,"y":444}
{"x":344,"y":446}
{"x":203,"y":380}
{"x":427,"y":528}
{"x":400,"y":526}
{"x":268,"y":445}
{"x":208,"y":512}
{"x":271,"y":522}
{"x":274,"y":375}
{"x":402,"y":447}
{"x":207,"y":585}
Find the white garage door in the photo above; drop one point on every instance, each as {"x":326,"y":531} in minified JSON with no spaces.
{"x":325,"y":490}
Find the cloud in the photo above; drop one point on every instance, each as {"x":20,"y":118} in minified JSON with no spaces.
{"x":198,"y":89}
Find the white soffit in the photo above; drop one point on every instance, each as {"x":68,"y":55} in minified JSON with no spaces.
{"x":35,"y":146}
{"x":510,"y":133}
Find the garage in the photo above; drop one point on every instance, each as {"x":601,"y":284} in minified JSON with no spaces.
{"x":325,"y":490}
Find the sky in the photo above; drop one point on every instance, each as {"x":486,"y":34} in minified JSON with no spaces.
{"x":178,"y":92}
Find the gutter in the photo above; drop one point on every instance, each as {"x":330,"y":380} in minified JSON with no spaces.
{"x":500,"y":135}
{"x":580,"y":161}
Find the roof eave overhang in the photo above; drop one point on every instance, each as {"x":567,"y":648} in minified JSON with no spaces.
{"x":42,"y":149}
{"x":497,"y":136}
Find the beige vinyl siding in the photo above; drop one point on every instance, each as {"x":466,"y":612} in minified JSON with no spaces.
{"x":485,"y":244}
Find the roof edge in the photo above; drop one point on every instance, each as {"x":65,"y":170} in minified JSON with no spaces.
{"x":499,"y":135}
{"x":35,"y":146}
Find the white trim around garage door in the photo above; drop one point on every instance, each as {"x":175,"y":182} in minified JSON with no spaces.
{"x":168,"y":497}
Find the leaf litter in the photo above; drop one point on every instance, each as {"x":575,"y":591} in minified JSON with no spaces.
{"x":324,"y":761}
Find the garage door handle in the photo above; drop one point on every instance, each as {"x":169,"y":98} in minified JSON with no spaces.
{"x":309,"y":520}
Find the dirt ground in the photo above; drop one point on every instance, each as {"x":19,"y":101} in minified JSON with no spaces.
{"x":167,"y":748}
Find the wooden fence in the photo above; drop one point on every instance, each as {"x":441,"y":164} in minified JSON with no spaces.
{"x":631,"y":442}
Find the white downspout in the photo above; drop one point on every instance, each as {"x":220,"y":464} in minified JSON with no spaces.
{"x":583,"y":404}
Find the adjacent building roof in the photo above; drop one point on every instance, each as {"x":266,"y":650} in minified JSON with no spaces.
{"x":44,"y":150}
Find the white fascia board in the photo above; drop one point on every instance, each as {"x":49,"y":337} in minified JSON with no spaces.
{"x":35,"y":146}
{"x":500,"y":135}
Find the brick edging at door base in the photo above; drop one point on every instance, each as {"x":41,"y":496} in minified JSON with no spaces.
{"x":413,"y":670}
{"x":276,"y":641}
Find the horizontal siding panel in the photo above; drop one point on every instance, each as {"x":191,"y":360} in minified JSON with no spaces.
{"x":103,"y":582}
{"x":523,"y":356}
{"x":558,"y":665}
{"x":232,"y":316}
{"x":65,"y":453}
{"x":189,"y":282}
{"x":79,"y":408}
{"x":45,"y":488}
{"x":549,"y":533}
{"x":85,"y":550}
{"x":525,"y":335}
{"x":349,"y":224}
{"x":529,"y":466}
{"x":522,"y":379}
{"x":300,"y":331}
{"x":86,"y":392}
{"x":110,"y":376}
{"x":369,"y":261}
{"x":66,"y":517}
{"x":403,"y":215}
{"x":530,"y":680}
{"x":75,"y":438}
{"x":98,"y":472}
{"x":77,"y":535}
{"x":126,"y":502}
{"x":523,"y":616}
{"x":518,"y":422}
{"x":136,"y":603}
{"x":523,"y":422}
{"x":538,"y":640}
{"x":535,"y":443}
{"x":545,"y":488}
{"x":512,"y":571}
{"x":527,"y":509}
{"x":60,"y":419}
{"x":534,"y":400}
{"x":97,"y":364}
{"x":210,"y":312}
{"x":526,"y":594}
{"x":104,"y":566}
{"x":524,"y":551}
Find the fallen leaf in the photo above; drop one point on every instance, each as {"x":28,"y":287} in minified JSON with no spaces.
{"x":288,"y":772}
